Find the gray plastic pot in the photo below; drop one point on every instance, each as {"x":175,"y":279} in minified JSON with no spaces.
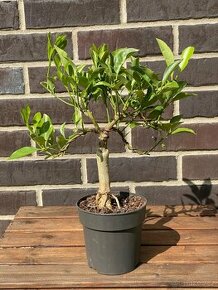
{"x":112,"y":240}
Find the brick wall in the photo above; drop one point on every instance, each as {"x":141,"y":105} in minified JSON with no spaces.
{"x":186,"y":169}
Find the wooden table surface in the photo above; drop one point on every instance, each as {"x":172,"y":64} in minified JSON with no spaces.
{"x":43,"y":248}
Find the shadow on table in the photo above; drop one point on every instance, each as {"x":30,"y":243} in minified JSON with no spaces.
{"x":158,"y":237}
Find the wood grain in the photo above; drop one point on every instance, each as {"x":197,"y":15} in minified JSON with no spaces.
{"x":73,"y":224}
{"x":69,"y":211}
{"x":149,"y":237}
{"x":44,"y":249}
{"x":152,"y":275}
{"x":77,"y":255}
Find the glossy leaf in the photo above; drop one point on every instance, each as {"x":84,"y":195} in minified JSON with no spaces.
{"x":120,"y":56}
{"x":183,"y":130}
{"x":186,"y":55}
{"x":77,"y":117}
{"x":25,"y":113}
{"x":22,"y":152}
{"x":62,"y":130}
{"x":169,"y":70}
{"x":176,"y":119}
{"x":132,"y":94}
{"x":166,"y":52}
{"x":37,"y":118}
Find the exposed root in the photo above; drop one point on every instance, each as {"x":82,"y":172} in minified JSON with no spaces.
{"x":103,"y":201}
{"x":127,"y":204}
{"x":117,"y":200}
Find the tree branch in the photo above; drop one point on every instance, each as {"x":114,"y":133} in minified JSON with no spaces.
{"x":136,"y":150}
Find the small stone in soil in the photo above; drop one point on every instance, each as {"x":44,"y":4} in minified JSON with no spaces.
{"x":127,"y":204}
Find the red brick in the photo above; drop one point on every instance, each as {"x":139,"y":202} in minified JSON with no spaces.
{"x":205,"y":138}
{"x":70,"y":196}
{"x":10,"y":141}
{"x":9,"y":15}
{"x":200,"y":167}
{"x":205,"y":104}
{"x":141,"y":10}
{"x":142,"y":38}
{"x":11,"y":201}
{"x":136,"y":169}
{"x":89,"y":143}
{"x":38,"y":75}
{"x":11,"y":81}
{"x":33,"y":172}
{"x":62,"y":13}
{"x":27,"y":47}
{"x":203,"y":194}
{"x":203,"y":37}
{"x":201,"y":72}
{"x":58,"y":111}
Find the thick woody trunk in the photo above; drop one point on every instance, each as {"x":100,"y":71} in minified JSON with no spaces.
{"x":102,"y":197}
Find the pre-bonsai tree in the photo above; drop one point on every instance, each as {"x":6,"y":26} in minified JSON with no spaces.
{"x":131,"y":95}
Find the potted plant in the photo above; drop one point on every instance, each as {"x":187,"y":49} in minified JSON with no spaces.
{"x":132,"y":95}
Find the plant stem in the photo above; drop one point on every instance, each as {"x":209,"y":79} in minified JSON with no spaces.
{"x":102,"y":198}
{"x":92,"y":118}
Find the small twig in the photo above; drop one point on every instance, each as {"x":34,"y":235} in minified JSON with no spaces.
{"x":136,"y":150}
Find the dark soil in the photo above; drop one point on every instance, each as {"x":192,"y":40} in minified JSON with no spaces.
{"x":128,"y":203}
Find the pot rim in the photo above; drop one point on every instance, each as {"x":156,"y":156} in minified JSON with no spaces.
{"x":111,"y":214}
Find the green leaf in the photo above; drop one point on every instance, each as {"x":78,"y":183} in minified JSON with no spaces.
{"x":156,"y":112}
{"x":183,"y":130}
{"x":61,"y":141}
{"x":77,"y":118}
{"x":50,"y":47}
{"x":25,"y":113}
{"x":176,"y":119}
{"x":62,"y":130}
{"x":169,"y":86}
{"x":49,"y":85}
{"x":120,"y":56}
{"x":83,"y":81}
{"x":22,"y":152}
{"x":186,"y":55}
{"x":134,"y":124}
{"x":47,"y":129}
{"x":183,"y":95}
{"x":94,"y":55}
{"x":166,"y":52}
{"x":103,"y":83}
{"x":37,"y":117}
{"x":63,"y":56}
{"x":169,"y":70}
{"x":61,"y":41}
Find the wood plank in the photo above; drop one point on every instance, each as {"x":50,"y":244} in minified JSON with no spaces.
{"x":77,"y":276}
{"x":73,"y":224}
{"x":115,"y":288}
{"x":72,"y":255}
{"x":149,"y":237}
{"x":46,"y":212}
{"x":142,"y":288}
{"x":69,"y":211}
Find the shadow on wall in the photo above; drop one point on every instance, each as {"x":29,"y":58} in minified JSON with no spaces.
{"x":204,"y":194}
{"x":201,"y":195}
